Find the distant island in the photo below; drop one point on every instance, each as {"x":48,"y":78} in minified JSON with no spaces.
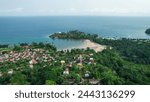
{"x":119,"y":62}
{"x":147,"y":31}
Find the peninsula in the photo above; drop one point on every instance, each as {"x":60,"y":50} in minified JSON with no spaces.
{"x":78,"y":35}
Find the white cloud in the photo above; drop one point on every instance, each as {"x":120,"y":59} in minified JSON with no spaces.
{"x":73,"y":10}
{"x":18,"y":9}
{"x":75,"y":7}
{"x":12,"y":10}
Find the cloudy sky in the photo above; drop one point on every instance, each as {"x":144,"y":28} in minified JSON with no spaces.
{"x":75,"y":7}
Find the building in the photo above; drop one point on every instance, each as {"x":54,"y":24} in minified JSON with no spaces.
{"x":62,"y":62}
{"x":66,"y":71}
{"x":10,"y":71}
{"x":33,"y":61}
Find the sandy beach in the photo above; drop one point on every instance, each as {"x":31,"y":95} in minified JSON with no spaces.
{"x":89,"y":44}
{"x":94,"y":46}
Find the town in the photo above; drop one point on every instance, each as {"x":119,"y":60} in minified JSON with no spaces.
{"x":38,"y":55}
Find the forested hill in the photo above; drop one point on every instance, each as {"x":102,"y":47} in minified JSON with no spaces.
{"x":75,"y":34}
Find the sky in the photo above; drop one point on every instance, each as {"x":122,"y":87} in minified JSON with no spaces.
{"x":75,"y":7}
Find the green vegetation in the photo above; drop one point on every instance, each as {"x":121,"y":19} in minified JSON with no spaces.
{"x":125,"y":61}
{"x":3,"y":46}
{"x":75,"y":34}
{"x":134,"y":50}
{"x":147,"y":31}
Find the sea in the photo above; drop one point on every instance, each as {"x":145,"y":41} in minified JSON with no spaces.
{"x":28,"y":29}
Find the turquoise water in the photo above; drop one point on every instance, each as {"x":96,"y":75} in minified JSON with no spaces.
{"x":37,"y":29}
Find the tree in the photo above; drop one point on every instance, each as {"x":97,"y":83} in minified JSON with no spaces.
{"x":50,"y":82}
{"x":18,"y":79}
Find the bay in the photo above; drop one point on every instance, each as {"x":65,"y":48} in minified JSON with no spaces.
{"x":36,"y":29}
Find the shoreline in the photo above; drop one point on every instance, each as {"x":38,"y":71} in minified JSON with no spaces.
{"x":92,"y":45}
{"x":88,"y":44}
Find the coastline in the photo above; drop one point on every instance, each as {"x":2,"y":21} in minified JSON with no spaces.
{"x":89,"y":44}
{"x":92,"y":45}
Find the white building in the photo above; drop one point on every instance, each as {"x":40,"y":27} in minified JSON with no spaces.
{"x":66,"y":71}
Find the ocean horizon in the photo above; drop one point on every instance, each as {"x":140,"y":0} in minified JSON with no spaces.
{"x":21,"y":29}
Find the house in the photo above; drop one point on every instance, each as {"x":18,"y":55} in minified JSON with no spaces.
{"x":6,"y":56}
{"x":87,"y":74}
{"x":10,"y":71}
{"x":33,"y":61}
{"x":69,"y":65}
{"x":62,"y":62}
{"x":66,"y":71}
{"x":11,"y":52}
{"x":91,"y":59}
{"x":91,"y":54}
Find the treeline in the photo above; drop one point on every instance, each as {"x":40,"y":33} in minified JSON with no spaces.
{"x":4,"y":46}
{"x":34,"y":45}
